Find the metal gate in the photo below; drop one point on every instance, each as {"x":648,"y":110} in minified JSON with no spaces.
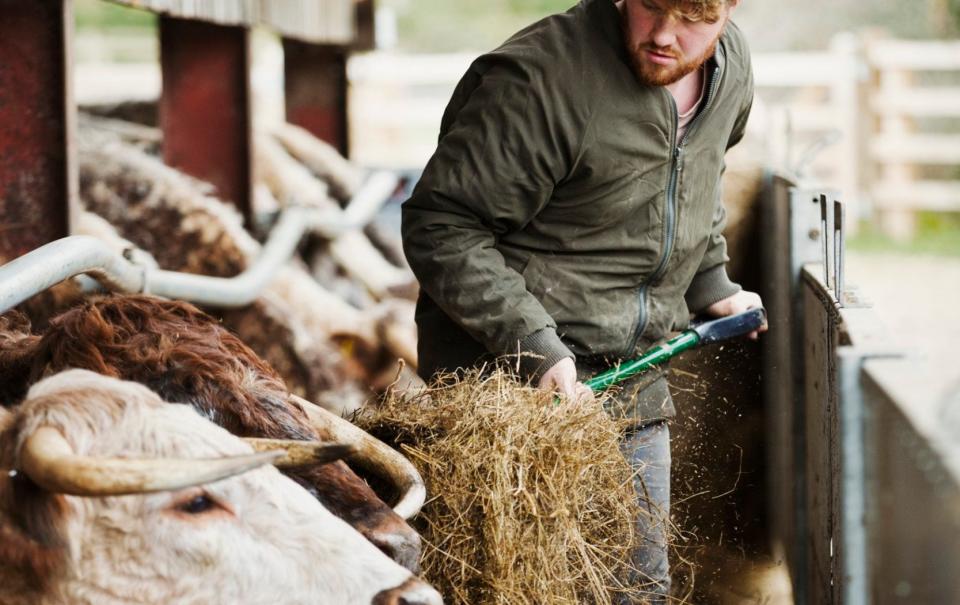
{"x":864,"y":467}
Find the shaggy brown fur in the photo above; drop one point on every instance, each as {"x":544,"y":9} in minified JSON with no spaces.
{"x":166,"y":214}
{"x":186,"y":356}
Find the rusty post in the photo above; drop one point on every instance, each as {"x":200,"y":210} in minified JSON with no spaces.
{"x":36,"y":144}
{"x":315,"y":80}
{"x":315,"y":87}
{"x":366,"y":32}
{"x":205,"y":107}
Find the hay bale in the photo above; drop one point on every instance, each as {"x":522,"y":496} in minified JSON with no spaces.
{"x":530,"y":502}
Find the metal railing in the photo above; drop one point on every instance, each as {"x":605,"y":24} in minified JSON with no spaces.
{"x":865,"y":492}
{"x":75,"y":255}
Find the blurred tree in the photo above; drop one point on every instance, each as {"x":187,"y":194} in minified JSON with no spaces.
{"x":97,"y":14}
{"x":953,"y":7}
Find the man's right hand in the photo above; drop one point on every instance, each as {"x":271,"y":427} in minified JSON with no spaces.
{"x":562,"y":379}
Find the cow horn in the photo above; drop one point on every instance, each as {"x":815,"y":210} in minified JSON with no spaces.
{"x":301,"y":453}
{"x":373,"y":455}
{"x":52,"y":464}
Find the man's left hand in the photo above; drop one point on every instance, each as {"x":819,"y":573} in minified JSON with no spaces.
{"x":738,"y":303}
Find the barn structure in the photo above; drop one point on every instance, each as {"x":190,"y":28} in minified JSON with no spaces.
{"x":855,"y":480}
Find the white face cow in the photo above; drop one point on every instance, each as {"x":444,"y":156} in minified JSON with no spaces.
{"x":255,"y":537}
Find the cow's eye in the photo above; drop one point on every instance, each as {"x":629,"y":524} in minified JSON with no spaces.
{"x":197,"y":505}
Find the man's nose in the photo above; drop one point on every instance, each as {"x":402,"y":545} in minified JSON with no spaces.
{"x":664,"y":32}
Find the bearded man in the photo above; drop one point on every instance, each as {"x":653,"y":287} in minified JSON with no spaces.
{"x":571,"y":214}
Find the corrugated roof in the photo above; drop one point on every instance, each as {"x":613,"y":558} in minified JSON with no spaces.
{"x":320,"y":21}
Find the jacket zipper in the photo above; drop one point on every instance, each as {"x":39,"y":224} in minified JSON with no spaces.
{"x":671,"y":227}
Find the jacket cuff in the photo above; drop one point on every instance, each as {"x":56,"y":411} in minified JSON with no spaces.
{"x":540,"y":351}
{"x":709,"y":287}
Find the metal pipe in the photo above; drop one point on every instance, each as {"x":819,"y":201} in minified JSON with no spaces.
{"x":62,"y":259}
{"x":244,"y":288}
{"x":361,"y":209}
{"x":838,"y":246}
{"x":826,"y":247}
{"x":67,"y":257}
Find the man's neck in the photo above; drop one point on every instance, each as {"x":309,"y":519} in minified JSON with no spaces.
{"x":686,"y":90}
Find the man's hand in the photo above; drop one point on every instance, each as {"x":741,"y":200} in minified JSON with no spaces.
{"x":562,"y":379}
{"x":738,"y":303}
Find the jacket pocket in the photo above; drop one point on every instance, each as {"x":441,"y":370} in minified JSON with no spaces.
{"x":592,"y":317}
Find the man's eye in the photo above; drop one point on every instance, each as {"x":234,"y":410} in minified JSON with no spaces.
{"x":197,"y":505}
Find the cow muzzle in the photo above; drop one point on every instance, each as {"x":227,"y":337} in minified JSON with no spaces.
{"x":411,"y":592}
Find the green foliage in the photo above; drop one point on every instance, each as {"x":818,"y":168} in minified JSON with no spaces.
{"x":937,"y":233}
{"x":954,"y":7}
{"x":98,"y":14}
{"x":466,"y":25}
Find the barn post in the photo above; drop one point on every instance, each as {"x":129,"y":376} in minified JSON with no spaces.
{"x":38,"y":183}
{"x":315,"y":90}
{"x":316,"y":84}
{"x":205,"y":107}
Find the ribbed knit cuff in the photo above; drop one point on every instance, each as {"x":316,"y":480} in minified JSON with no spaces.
{"x":540,"y":351}
{"x":709,"y":287}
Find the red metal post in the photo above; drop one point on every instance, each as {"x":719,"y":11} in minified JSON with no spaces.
{"x":315,"y":81}
{"x":205,"y":106}
{"x":366,"y":32}
{"x":36,"y":160}
{"x":315,"y":88}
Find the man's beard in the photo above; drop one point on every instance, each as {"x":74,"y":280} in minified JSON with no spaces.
{"x":652,"y":74}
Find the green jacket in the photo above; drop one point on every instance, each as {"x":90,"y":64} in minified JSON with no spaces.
{"x":560,"y":217}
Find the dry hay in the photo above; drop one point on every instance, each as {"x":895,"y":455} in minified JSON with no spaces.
{"x":531,"y":501}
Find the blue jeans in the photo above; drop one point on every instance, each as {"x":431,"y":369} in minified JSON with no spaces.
{"x":647,"y":449}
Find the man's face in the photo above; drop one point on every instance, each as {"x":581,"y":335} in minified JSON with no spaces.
{"x":666,"y":44}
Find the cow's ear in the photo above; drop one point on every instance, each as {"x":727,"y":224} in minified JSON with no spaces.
{"x":32,"y":522}
{"x":18,"y":349}
{"x":31,"y":530}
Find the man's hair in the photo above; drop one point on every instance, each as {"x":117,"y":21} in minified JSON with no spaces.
{"x":699,"y":10}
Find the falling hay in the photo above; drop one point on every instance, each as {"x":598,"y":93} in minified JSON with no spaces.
{"x":531,"y":501}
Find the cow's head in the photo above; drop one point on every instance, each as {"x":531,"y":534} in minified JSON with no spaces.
{"x":219,"y":537}
{"x":187,"y":356}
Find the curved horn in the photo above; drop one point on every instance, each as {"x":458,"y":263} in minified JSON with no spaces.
{"x":301,"y":453}
{"x":374,"y":455}
{"x":51,"y":463}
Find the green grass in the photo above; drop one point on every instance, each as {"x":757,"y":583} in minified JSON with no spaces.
{"x":466,"y":25}
{"x":937,"y":234}
{"x":98,"y":14}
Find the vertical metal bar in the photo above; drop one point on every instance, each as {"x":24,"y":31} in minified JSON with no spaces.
{"x":799,"y":550}
{"x":315,"y":87}
{"x":37,"y":166}
{"x":366,"y":33}
{"x":838,"y":250}
{"x":824,"y":233}
{"x":853,"y":536}
{"x":205,"y":106}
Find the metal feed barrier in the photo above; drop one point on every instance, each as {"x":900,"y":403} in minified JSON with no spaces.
{"x":864,"y":471}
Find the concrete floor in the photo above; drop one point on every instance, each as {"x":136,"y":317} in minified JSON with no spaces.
{"x":918,"y":299}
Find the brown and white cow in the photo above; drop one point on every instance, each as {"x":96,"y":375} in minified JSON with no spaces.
{"x":218,"y":537}
{"x":187,"y":356}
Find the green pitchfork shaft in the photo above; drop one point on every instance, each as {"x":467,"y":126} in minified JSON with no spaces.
{"x":659,"y":354}
{"x":701,"y":333}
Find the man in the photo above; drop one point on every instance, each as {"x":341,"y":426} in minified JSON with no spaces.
{"x":571,"y":214}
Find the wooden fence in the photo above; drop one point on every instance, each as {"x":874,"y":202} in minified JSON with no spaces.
{"x":879,"y":118}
